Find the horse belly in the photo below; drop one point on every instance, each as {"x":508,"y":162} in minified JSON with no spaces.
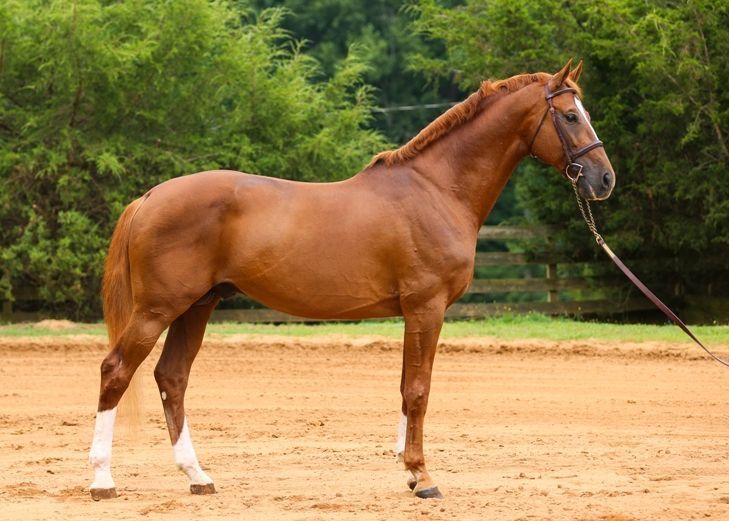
{"x":317,"y":297}
{"x":324,"y":282}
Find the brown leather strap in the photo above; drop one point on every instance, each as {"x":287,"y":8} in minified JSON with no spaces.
{"x":549,"y":94}
{"x":655,"y":300}
{"x":590,"y":220}
{"x":570,"y":154}
{"x":539,"y":127}
{"x":584,"y":150}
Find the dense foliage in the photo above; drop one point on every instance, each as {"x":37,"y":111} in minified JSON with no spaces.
{"x":655,"y":82}
{"x":101,"y":100}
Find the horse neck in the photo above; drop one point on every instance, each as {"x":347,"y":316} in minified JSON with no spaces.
{"x":474,"y":161}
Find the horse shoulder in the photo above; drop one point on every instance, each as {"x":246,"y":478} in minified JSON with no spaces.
{"x":435,"y":242}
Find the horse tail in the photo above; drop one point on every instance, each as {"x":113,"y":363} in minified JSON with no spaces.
{"x":116,"y":294}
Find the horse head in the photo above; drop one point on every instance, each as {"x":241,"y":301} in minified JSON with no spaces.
{"x":570,"y":144}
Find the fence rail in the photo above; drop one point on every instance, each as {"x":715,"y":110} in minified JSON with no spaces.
{"x":547,"y":288}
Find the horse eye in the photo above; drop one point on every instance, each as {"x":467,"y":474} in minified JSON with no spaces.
{"x":571,"y":117}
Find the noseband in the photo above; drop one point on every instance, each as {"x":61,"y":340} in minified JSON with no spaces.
{"x":572,"y":170}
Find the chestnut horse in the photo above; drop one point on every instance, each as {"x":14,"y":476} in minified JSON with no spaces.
{"x":397,"y":239}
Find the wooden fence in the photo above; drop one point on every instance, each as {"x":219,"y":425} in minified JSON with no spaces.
{"x":541,"y":283}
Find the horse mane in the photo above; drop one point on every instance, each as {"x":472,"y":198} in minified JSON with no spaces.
{"x":457,"y":116}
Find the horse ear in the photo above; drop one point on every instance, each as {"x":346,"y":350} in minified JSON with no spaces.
{"x":575,"y":73}
{"x":558,"y":79}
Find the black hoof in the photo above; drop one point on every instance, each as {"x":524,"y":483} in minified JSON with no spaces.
{"x":429,"y":493}
{"x":98,"y":494}
{"x":411,"y":483}
{"x":205,"y":488}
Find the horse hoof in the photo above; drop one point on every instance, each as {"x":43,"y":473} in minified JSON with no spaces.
{"x":204,"y":488}
{"x":411,"y":483}
{"x":98,"y":494}
{"x":429,"y":493}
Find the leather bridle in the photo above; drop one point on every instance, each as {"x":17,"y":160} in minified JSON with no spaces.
{"x":572,"y":169}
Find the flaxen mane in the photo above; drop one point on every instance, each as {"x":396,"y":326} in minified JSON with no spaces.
{"x":456,"y":116}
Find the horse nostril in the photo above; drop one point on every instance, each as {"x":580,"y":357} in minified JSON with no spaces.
{"x":606,"y":179}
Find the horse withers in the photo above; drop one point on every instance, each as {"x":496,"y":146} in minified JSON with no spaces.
{"x":397,"y":239}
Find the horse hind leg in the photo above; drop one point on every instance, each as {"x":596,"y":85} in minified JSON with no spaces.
{"x":172,"y":374}
{"x":117,"y":369}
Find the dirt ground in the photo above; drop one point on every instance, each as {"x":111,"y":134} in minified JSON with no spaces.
{"x":304,"y":428}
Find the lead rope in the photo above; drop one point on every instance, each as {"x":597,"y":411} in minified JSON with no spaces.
{"x":586,"y":212}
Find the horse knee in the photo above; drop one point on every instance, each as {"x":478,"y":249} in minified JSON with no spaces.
{"x":416,"y":397}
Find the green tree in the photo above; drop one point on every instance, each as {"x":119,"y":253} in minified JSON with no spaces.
{"x":381,"y":30}
{"x":101,"y":100}
{"x":655,"y":77}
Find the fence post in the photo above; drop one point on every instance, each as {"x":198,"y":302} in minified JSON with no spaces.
{"x":552,"y":294}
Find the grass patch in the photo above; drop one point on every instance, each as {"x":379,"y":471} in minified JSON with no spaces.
{"x":31,"y":329}
{"x":506,"y":327}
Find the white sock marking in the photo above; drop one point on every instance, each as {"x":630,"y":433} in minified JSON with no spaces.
{"x":401,"y":433}
{"x":100,"y":453}
{"x":186,"y":459}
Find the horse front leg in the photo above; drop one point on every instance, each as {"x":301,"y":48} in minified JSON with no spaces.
{"x":402,"y":427}
{"x":422,"y":329}
{"x":402,"y":430}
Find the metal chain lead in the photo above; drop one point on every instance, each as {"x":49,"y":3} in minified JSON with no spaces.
{"x":587,"y":215}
